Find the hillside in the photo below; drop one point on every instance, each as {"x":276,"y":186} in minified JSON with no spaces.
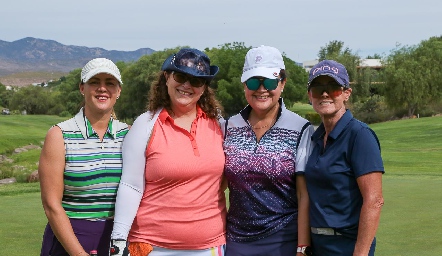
{"x":29,"y":55}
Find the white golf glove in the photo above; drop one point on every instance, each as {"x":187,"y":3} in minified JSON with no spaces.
{"x":118,"y":247}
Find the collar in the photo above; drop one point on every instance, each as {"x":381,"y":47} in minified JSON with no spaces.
{"x":339,"y":128}
{"x":86,"y":127}
{"x":164,"y":115}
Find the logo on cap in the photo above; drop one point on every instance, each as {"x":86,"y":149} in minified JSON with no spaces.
{"x":325,"y":68}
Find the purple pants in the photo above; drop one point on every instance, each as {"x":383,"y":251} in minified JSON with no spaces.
{"x":92,"y":235}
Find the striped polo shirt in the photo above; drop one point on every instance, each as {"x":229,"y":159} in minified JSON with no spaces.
{"x":93,"y":167}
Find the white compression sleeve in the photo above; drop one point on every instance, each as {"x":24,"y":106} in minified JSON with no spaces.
{"x":132,"y":182}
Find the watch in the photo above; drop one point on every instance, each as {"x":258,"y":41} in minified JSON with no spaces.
{"x":306,"y":250}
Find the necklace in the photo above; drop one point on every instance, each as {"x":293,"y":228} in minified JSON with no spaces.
{"x":267,"y":125}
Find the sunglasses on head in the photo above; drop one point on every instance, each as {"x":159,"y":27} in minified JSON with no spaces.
{"x":269,"y":84}
{"x":182,"y":78}
{"x":333,"y":89}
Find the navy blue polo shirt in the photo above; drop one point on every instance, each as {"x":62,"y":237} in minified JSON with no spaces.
{"x":352,"y":150}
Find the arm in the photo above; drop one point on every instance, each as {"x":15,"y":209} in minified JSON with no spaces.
{"x":370,"y":186}
{"x":303,"y":215}
{"x":132,"y":182}
{"x":50,"y":171}
{"x":304,"y":151}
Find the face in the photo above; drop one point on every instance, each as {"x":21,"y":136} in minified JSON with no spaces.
{"x":184,"y":90}
{"x":100,"y":93}
{"x":327,"y":96}
{"x":263,"y":99}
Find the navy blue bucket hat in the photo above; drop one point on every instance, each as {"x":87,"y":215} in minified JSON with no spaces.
{"x":192,"y":62}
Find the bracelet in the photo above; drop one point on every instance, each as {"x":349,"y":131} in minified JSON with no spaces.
{"x":303,"y":245}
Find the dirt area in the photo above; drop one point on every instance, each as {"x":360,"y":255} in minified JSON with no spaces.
{"x":28,"y":78}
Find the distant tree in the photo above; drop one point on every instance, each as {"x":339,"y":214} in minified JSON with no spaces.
{"x":5,"y":96}
{"x":2,"y":92}
{"x":68,"y":92}
{"x":137,"y":79}
{"x":332,"y":50}
{"x":374,"y":56}
{"x":32,"y":99}
{"x":412,"y":75}
{"x":229,"y":89}
{"x":295,"y":89}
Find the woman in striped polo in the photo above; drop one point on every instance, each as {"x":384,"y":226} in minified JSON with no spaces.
{"x":80,"y":168}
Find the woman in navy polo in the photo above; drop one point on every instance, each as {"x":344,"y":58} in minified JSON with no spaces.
{"x":344,"y":170}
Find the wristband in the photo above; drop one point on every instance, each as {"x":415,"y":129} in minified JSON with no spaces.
{"x":305,"y":250}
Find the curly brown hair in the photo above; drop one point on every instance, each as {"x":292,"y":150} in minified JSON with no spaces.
{"x":159,"y":98}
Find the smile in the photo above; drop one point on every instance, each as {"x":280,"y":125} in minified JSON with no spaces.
{"x":184,"y":93}
{"x":325,"y":103}
{"x":101,"y":97}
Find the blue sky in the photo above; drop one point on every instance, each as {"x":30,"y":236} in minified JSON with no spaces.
{"x":297,"y":28}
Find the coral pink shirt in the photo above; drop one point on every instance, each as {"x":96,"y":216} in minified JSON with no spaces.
{"x":183,"y":205}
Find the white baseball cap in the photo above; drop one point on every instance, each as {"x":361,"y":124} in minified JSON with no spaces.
{"x":265,"y":61}
{"x":97,"y":66}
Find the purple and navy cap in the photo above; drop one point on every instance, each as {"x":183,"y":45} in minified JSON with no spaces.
{"x":332,"y":69}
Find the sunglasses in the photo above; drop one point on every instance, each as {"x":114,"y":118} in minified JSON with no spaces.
{"x":332,"y":89}
{"x":269,"y":84}
{"x":182,"y":78}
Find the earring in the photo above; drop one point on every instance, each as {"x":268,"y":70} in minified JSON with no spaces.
{"x":118,"y":97}
{"x":82,"y":94}
{"x":282,"y":90}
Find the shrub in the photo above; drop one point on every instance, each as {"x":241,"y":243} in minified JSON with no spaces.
{"x":372,"y":110}
{"x":313,"y":118}
{"x":65,"y":114}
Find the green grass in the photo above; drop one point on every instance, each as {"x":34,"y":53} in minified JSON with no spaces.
{"x":412,"y":185}
{"x":412,"y":146}
{"x":301,"y":108}
{"x":18,"y":188}
{"x":23,"y":164}
{"x":22,"y":224}
{"x":19,"y":130}
{"x":410,"y":219}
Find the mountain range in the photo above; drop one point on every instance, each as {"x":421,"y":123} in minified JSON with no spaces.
{"x":39,"y":55}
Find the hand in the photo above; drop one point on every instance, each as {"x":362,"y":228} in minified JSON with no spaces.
{"x":118,"y":247}
{"x":83,"y":253}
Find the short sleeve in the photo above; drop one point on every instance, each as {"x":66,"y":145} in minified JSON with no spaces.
{"x":366,"y":153}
